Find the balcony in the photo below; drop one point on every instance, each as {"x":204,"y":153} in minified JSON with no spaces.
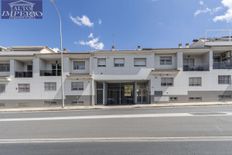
{"x":27,"y":74}
{"x":222,"y":65}
{"x":50,"y":72}
{"x":196,"y":68}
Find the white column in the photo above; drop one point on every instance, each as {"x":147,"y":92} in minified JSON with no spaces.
{"x":93,"y":92}
{"x":210,"y":60}
{"x":104,"y":93}
{"x":12,"y":68}
{"x":36,"y":67}
{"x":179,"y":61}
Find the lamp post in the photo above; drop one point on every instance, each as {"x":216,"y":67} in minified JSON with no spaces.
{"x":61,"y":51}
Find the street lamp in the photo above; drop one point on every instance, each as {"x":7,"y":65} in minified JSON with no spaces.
{"x":61,"y":51}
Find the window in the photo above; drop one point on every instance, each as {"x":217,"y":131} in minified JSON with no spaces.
{"x":195,"y":81}
{"x":224,"y":97}
{"x":173,"y":98}
{"x":77,"y":86}
{"x":224,"y":79}
{"x":119,"y":62}
{"x":23,"y":88}
{"x":165,"y":60}
{"x":78,"y":65}
{"x":195,"y":98}
{"x":140,"y":62}
{"x":50,"y":86}
{"x":4,"y":67}
{"x":158,"y":93}
{"x":2,"y":88}
{"x":101,"y":62}
{"x":167,"y":81}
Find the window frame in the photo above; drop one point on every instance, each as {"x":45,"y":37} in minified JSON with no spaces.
{"x":165,"y":83}
{"x":98,"y":60}
{"x":165,"y":61}
{"x":145,"y":60}
{"x":6,"y":67}
{"x":75,"y":67}
{"x":26,"y":89}
{"x":50,"y":87}
{"x":77,"y":89}
{"x":224,"y":81}
{"x":119,"y":64}
{"x":197,"y":84}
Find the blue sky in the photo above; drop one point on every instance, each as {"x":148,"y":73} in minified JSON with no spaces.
{"x":96,"y":24}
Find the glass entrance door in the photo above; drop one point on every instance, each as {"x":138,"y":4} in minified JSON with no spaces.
{"x":120,"y":93}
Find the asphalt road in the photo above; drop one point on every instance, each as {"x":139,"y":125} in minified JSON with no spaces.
{"x":180,"y":130}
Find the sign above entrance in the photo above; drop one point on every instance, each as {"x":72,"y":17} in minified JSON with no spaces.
{"x":21,"y":9}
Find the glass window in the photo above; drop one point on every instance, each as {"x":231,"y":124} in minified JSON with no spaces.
{"x":167,"y":81}
{"x":2,"y":88}
{"x":195,"y":98}
{"x":158,"y":93}
{"x":4,"y":67}
{"x":119,"y":62}
{"x":78,"y":65}
{"x":165,"y":60}
{"x":195,"y":81}
{"x":77,"y":86}
{"x":50,"y":86}
{"x":140,"y":62}
{"x":23,"y":88}
{"x":224,"y":79}
{"x":101,"y":62}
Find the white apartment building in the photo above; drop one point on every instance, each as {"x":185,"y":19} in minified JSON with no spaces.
{"x":31,"y":76}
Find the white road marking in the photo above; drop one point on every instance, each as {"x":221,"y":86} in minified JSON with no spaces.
{"x":111,"y":117}
{"x":116,"y":139}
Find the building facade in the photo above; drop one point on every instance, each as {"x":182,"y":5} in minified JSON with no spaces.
{"x":201,"y":72}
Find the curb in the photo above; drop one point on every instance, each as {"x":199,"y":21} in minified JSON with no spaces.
{"x":158,"y":105}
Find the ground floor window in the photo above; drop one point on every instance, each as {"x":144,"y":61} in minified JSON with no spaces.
{"x":195,"y":81}
{"x":195,"y":98}
{"x":224,"y":97}
{"x":50,"y":86}
{"x":23,"y":88}
{"x":224,"y":79}
{"x":173,"y":98}
{"x":77,"y":86}
{"x":167,"y":81}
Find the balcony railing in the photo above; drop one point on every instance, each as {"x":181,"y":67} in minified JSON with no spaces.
{"x":196,"y":68}
{"x":50,"y":72}
{"x":222,"y":65}
{"x":27,"y":74}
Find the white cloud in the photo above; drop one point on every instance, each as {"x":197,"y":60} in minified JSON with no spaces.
{"x":204,"y":9}
{"x":227,"y":16}
{"x":84,"y":20}
{"x":93,"y":42}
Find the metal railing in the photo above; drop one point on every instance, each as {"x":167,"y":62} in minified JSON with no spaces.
{"x":50,"y":72}
{"x":27,"y":74}
{"x":196,"y":68}
{"x":222,"y":65}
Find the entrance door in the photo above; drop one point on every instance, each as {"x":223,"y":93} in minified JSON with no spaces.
{"x":120,"y":93}
{"x":142,"y":93}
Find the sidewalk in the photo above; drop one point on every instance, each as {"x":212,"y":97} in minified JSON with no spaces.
{"x":28,"y":109}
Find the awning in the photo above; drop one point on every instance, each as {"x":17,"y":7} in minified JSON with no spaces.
{"x":5,"y":79}
{"x":79,"y":76}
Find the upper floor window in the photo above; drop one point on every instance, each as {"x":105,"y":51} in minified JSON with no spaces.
{"x":140,"y":62}
{"x":23,"y":88}
{"x":165,"y":60}
{"x":77,"y":86}
{"x":195,"y":81}
{"x":101,"y":62}
{"x":78,"y":65}
{"x":167,"y":81}
{"x":50,"y":86}
{"x":2,"y":88}
{"x":119,"y":62}
{"x":224,"y":79}
{"x":4,"y":67}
